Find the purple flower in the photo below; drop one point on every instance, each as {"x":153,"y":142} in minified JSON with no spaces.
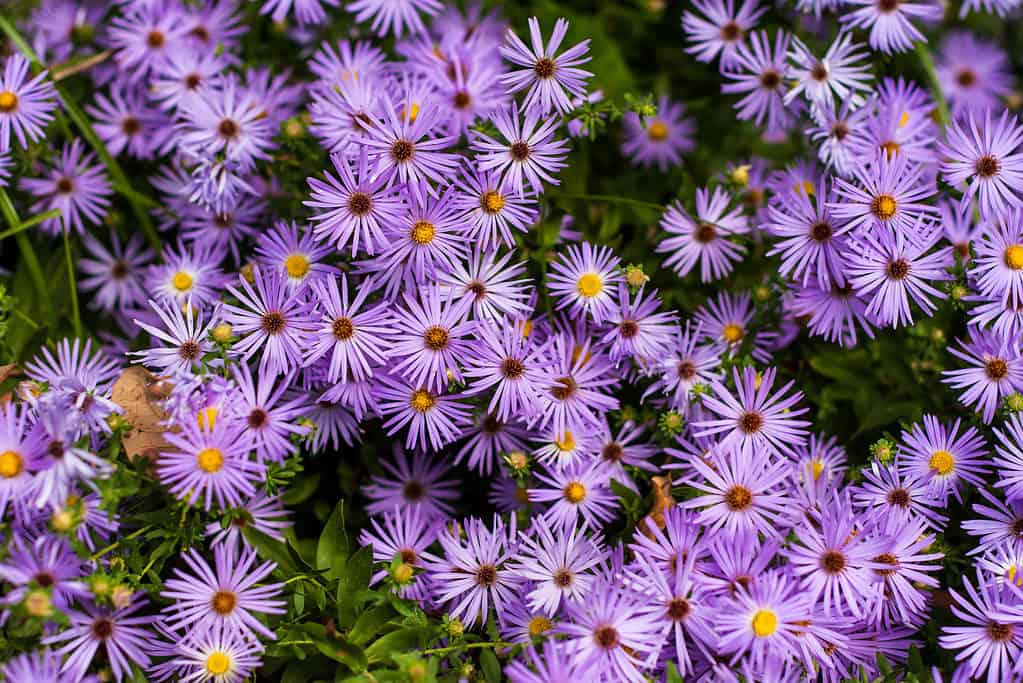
{"x":429,"y":342}
{"x":576,"y":396}
{"x":222,"y":656}
{"x":901,"y":570}
{"x":186,"y":332}
{"x":492,"y":209}
{"x":306,"y":12}
{"x":434,"y":420}
{"x":987,"y":643}
{"x":404,"y":533}
{"x":126,"y":124}
{"x":270,"y":415}
{"x":187,"y":273}
{"x":142,"y":39}
{"x":759,"y":75}
{"x":559,"y":564}
{"x":394,"y":15}
{"x":114,"y":275}
{"x":48,"y":564}
{"x":263,"y":513}
{"x":227,"y":120}
{"x":661,"y":139}
{"x":488,"y":285}
{"x":720,"y":29}
{"x":585,"y":280}
{"x":26,"y":105}
{"x":222,"y":598}
{"x":889,"y":22}
{"x":417,"y":483}
{"x":556,"y":664}
{"x":638,"y":331}
{"x":530,"y":153}
{"x":894,"y":498}
{"x":974,"y":74}
{"x":946,"y":458}
{"x":703,"y":240}
{"x":403,"y":143}
{"x":809,"y":244}
{"x":726,"y":319}
{"x":998,"y":268}
{"x":178,"y":81}
{"x":73,"y":185}
{"x":684,"y":366}
{"x":297,"y":256}
{"x":38,"y":665}
{"x":890,"y":195}
{"x":985,"y":155}
{"x":833,"y":312}
{"x":837,"y":77}
{"x":576,"y":490}
{"x":552,"y":79}
{"x":513,"y":364}
{"x":996,"y":370}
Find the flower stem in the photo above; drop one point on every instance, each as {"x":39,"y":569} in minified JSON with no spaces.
{"x":28,"y":252}
{"x":30,"y":222}
{"x":465,"y":646}
{"x":72,"y":284}
{"x":924,"y":55}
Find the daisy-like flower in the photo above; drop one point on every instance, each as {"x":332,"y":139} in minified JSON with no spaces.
{"x":759,"y":75}
{"x":26,"y":104}
{"x":638,"y":331}
{"x":489,"y":438}
{"x":394,"y":16}
{"x":38,"y":665}
{"x":266,"y":514}
{"x":223,"y":598}
{"x":529,"y":155}
{"x":186,"y":333}
{"x":902,"y":570}
{"x":124,"y":636}
{"x":512,"y":364}
{"x":576,"y":395}
{"x":838,"y":77}
{"x":943,"y":456}
{"x":741,"y":493}
{"x":141,"y":40}
{"x":474,"y":573}
{"x":998,"y":268}
{"x":128,"y":125}
{"x":985,"y":155}
{"x":177,"y":82}
{"x":719,"y":28}
{"x":402,"y":533}
{"x":995,"y":371}
{"x":703,"y":240}
{"x":1009,"y":460}
{"x":989,"y":643}
{"x":296,"y":255}
{"x":223,"y":231}
{"x":892,"y":269}
{"x":187,"y":273}
{"x":890,"y":193}
{"x":434,"y":419}
{"x":726,"y":320}
{"x":889,"y":22}
{"x":227,"y":120}
{"x":404,"y":144}
{"x":417,"y":483}
{"x":114,"y":275}
{"x":835,"y":313}
{"x":585,"y":280}
{"x":894,"y":498}
{"x":686,"y":364}
{"x":611,"y":633}
{"x":270,"y":416}
{"x":210,"y":463}
{"x":834,"y":131}
{"x":809,"y":244}
{"x":754,"y":420}
{"x":974,"y":74}
{"x":998,"y":523}
{"x":957,"y":224}
{"x":81,"y":376}
{"x":48,"y":562}
{"x":553,"y":80}
{"x":356,"y":205}
{"x":577,"y":490}
{"x":217,"y":655}
{"x":558,"y":562}
{"x":75,"y":186}
{"x":65,"y":463}
{"x":556,"y":664}
{"x":429,"y":343}
{"x":307,"y":12}
{"x":488,"y":284}
{"x":273,"y":319}
{"x":494,"y":211}
{"x":659,"y":140}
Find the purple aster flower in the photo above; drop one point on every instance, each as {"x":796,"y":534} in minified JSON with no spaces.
{"x":838,"y":77}
{"x":266,"y":514}
{"x":511,"y":362}
{"x":974,"y":74}
{"x":753,"y":419}
{"x":343,"y":113}
{"x":759,"y":75}
{"x":127,"y":124}
{"x":434,"y":420}
{"x":297,"y":256}
{"x":637,"y":330}
{"x":39,"y":665}
{"x":996,"y":370}
{"x":474,"y":573}
{"x":686,"y":364}
{"x":418,"y":483}
{"x":178,"y":81}
{"x":552,"y":79}
{"x":575,"y":398}
{"x":227,"y":120}
{"x":47,"y":563}
{"x":142,"y":39}
{"x":348,"y":62}
{"x":83,"y":377}
{"x":333,"y":424}
{"x":306,"y":11}
{"x":356,"y":336}
{"x":988,"y":643}
{"x":660,"y":140}
{"x":469,"y":94}
{"x":556,"y":664}
{"x":5,"y":168}
{"x":611,"y":633}
{"x":559,"y":563}
{"x":985,"y":155}
{"x":703,"y":240}
{"x":809,"y":238}
{"x":395,"y":16}
{"x":741,"y":493}
{"x":274,"y":320}
{"x":73,"y":185}
{"x":902,"y":570}
{"x":893,"y":268}
{"x":890,"y":194}
{"x":211,"y":463}
{"x":998,"y":268}
{"x":187,"y":273}
{"x":894,"y":498}
{"x":834,"y":132}
{"x":429,"y":341}
{"x":585,"y":280}
{"x":726,"y":319}
{"x":1009,"y":458}
{"x":530,"y":153}
{"x":403,"y":144}
{"x":185,"y":331}
{"x":65,"y":463}
{"x":225,"y":597}
{"x":488,"y":439}
{"x":738,"y":562}
{"x":26,"y":105}
{"x":889,"y":22}
{"x":943,"y":456}
{"x":114,"y":275}
{"x":997,"y":7}
{"x":404,"y":533}
{"x":357,"y":205}
{"x":223,"y":231}
{"x":125,"y":638}
{"x":957,"y":223}
{"x":218,"y":655}
{"x":835,"y":313}
{"x":270,"y":416}
{"x":998,"y":524}
{"x":577,"y":490}
{"x":492,"y":209}
{"x":720,"y":29}
{"x":488,"y":285}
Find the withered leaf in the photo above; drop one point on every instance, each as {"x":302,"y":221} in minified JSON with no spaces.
{"x":136,"y":392}
{"x":662,"y":501}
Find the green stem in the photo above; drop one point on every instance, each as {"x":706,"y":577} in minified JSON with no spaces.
{"x":465,"y":646}
{"x":72,"y":282}
{"x":116,"y":544}
{"x":25,"y":319}
{"x":924,"y":55}
{"x":609,"y":198}
{"x":31,"y":222}
{"x":81,"y":121}
{"x":28,"y":252}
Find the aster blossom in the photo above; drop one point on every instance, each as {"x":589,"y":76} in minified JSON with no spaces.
{"x":552,"y":79}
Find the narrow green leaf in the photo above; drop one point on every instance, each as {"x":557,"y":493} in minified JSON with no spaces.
{"x":491,"y":667}
{"x":332,"y":548}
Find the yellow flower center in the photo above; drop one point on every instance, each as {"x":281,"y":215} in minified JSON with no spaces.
{"x":805,"y":187}
{"x":904,"y":119}
{"x":413,"y":112}
{"x":210,"y":460}
{"x":8,"y":101}
{"x":565,"y":442}
{"x":423,"y":232}
{"x":207,"y":418}
{"x":765,"y":622}
{"x":732,"y":332}
{"x":527,"y":327}
{"x":658,"y":131}
{"x":422,"y":400}
{"x":883,"y":206}
{"x":492,"y":201}
{"x":218,"y":663}
{"x":182,"y":281}
{"x":1010,"y":574}
{"x":1014,"y":256}
{"x":942,"y":462}
{"x":10,"y":464}
{"x":539,"y":625}
{"x":575,"y":492}
{"x":818,"y":469}
{"x":297,"y":266}
{"x":589,"y":285}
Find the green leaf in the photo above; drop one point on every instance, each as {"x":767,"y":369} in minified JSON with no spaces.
{"x":491,"y":667}
{"x":672,"y":673}
{"x":402,"y":640}
{"x":354,"y":576}
{"x":369,"y":624}
{"x":273,"y":550}
{"x":332,"y":548}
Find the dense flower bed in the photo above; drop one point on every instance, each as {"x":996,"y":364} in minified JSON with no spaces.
{"x":409,"y":341}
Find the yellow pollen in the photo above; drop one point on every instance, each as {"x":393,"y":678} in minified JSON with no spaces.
{"x":589,"y":285}
{"x":8,"y":101}
{"x":422,"y":400}
{"x":10,"y":464}
{"x":423,"y":232}
{"x":539,"y":625}
{"x":218,"y":663}
{"x":1010,"y":574}
{"x":566,"y":442}
{"x":182,"y":281}
{"x":805,"y":188}
{"x":210,"y":460}
{"x":575,"y":492}
{"x":883,"y":206}
{"x":207,"y":418}
{"x":658,"y":131}
{"x":297,"y":266}
{"x":413,"y":112}
{"x":765,"y":622}
{"x":942,"y":462}
{"x":1014,"y":256}
{"x":818,"y":469}
{"x":732,"y":332}
{"x":904,"y":119}
{"x":527,"y":327}
{"x":492,"y":201}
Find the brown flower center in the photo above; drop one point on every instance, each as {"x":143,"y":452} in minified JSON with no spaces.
{"x":819,"y":72}
{"x":999,"y":633}
{"x":966,"y":77}
{"x":120,"y":269}
{"x":273,"y":322}
{"x":155,"y":39}
{"x":131,"y":125}
{"x":228,"y":129}
{"x":413,"y":491}
{"x":686,"y":370}
{"x":486,"y":575}
{"x":731,"y":32}
{"x":821,"y":232}
{"x":436,"y":338}
{"x":520,"y":151}
{"x":257,"y":418}
{"x":890,"y":560}
{"x":64,"y":185}
{"x":704,"y":233}
{"x":189,"y":350}
{"x":402,"y":150}
{"x":898,"y":269}
{"x":628,"y":329}
{"x":564,"y":388}
{"x":996,"y":368}
{"x":360,"y":204}
{"x":612,"y":452}
{"x":512,"y":368}
{"x":988,"y":166}
{"x":833,"y":561}
{"x":899,"y":497}
{"x":223,"y":602}
{"x":563,"y":578}
{"x":738,"y":497}
{"x":751,"y":422}
{"x":545,"y":68}
{"x":678,"y":609}
{"x":606,"y":636}
{"x":770,"y":79}
{"x":103,"y":628}
{"x":462,"y":100}
{"x":343,"y":328}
